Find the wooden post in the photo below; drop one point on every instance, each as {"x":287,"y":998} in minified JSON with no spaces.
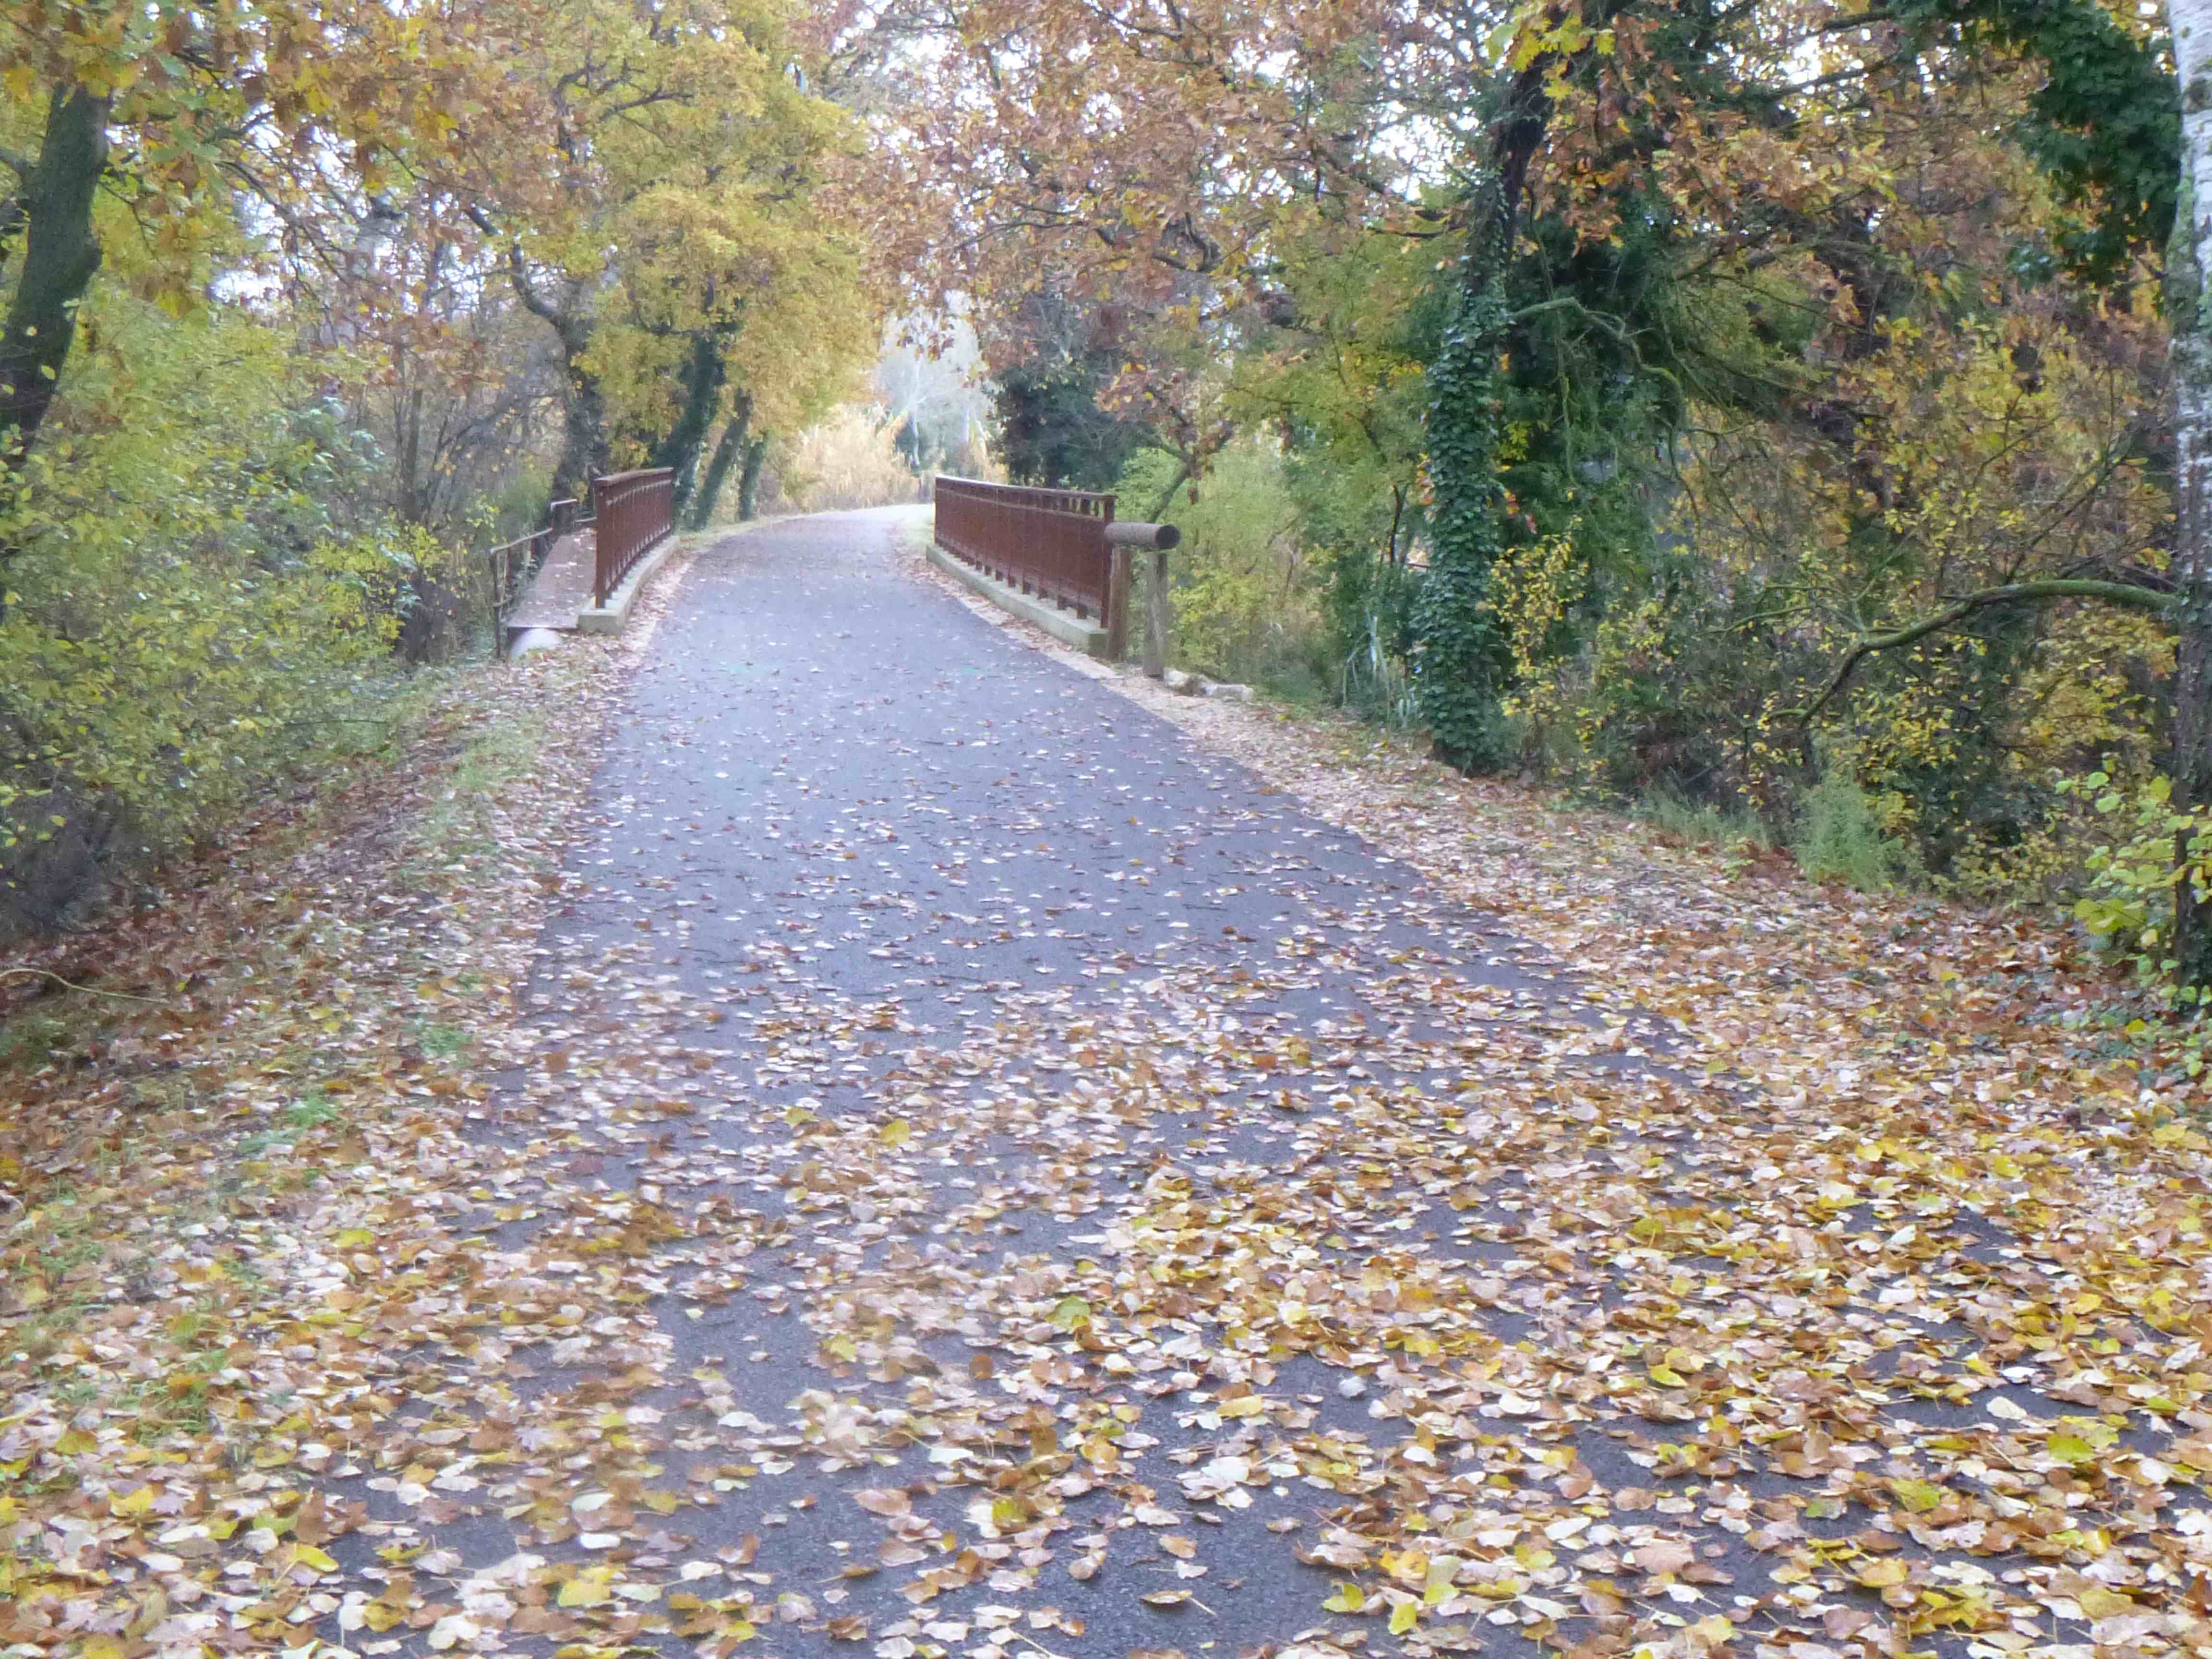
{"x":1117,"y":606}
{"x":1158,"y":537}
{"x":1156,"y":615}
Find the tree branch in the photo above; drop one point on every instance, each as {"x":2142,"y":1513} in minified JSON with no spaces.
{"x":2037,"y":592}
{"x":518,"y":271}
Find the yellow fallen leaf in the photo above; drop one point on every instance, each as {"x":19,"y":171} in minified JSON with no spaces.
{"x":2069,"y":1447}
{"x":1918,"y":1496}
{"x":585,"y":1590}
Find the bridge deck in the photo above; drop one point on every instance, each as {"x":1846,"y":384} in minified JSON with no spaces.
{"x":561,"y":588}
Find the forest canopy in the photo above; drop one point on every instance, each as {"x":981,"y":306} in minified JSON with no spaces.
{"x":311,"y":303}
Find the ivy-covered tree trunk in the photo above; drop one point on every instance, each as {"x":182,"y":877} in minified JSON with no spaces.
{"x":1459,"y":663}
{"x":704,"y":369}
{"x":728,"y":448}
{"x":59,"y":256}
{"x":749,"y":475}
{"x":2188,"y":310}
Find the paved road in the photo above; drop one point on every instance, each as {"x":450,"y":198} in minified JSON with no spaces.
{"x":991,"y":1047}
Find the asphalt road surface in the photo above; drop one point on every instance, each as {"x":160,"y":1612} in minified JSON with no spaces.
{"x":1050,"y":1138}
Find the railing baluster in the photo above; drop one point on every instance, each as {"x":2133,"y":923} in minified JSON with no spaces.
{"x":634,"y":513}
{"x":1051,"y":542}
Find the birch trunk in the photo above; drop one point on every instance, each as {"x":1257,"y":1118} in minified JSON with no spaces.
{"x":2189,"y":309}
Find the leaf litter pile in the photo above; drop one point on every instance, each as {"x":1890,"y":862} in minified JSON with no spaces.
{"x":1565,"y":1244}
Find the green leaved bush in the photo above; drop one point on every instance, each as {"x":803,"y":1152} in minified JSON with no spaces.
{"x":203,"y":596}
{"x":1246,"y":592}
{"x":2133,"y":877}
{"x":1841,"y":837}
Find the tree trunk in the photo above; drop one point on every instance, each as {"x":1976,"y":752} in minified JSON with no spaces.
{"x":60,"y":254}
{"x":1460,"y":664}
{"x":727,"y":450}
{"x":749,"y":476}
{"x":701,"y":379}
{"x":2188,"y":310}
{"x":585,"y":452}
{"x":414,"y":508}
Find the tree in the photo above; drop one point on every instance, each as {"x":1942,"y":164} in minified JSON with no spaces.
{"x":1052,"y":430}
{"x":169,"y":108}
{"x":1728,"y":285}
{"x":657,"y":193}
{"x":2189,"y":312}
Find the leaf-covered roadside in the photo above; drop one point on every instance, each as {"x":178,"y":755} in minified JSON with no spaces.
{"x":1920,"y":1170}
{"x":181,"y":1351}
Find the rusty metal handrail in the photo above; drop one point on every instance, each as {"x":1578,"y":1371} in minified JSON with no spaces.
{"x":1052,"y":543}
{"x":633,"y":513}
{"x":511,"y":564}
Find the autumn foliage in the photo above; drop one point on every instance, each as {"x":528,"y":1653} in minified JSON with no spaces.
{"x":310,"y":304}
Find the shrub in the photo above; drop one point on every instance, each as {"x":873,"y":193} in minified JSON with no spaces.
{"x":194,"y":604}
{"x":1245,"y":596}
{"x":2128,"y":906}
{"x":849,"y":461}
{"x":1840,"y":836}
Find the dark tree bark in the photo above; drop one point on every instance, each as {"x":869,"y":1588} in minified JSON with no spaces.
{"x":703,"y":372}
{"x":727,"y":451}
{"x":585,"y":451}
{"x":749,"y":476}
{"x":60,"y":254}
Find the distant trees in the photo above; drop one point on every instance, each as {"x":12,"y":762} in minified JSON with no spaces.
{"x":1793,"y":378}
{"x":397,"y":274}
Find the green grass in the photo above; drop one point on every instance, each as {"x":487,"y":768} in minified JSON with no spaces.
{"x":1839,"y":838}
{"x":443,"y":1042}
{"x":1700,"y":824}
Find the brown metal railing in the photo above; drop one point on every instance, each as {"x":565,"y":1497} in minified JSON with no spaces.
{"x":1047,"y":542}
{"x":633,"y":513}
{"x":513,"y":563}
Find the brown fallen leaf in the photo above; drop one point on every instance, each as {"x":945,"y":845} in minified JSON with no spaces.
{"x":1664,"y":1555}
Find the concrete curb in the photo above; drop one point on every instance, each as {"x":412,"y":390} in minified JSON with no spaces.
{"x":608,"y":618}
{"x":1062,"y":625}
